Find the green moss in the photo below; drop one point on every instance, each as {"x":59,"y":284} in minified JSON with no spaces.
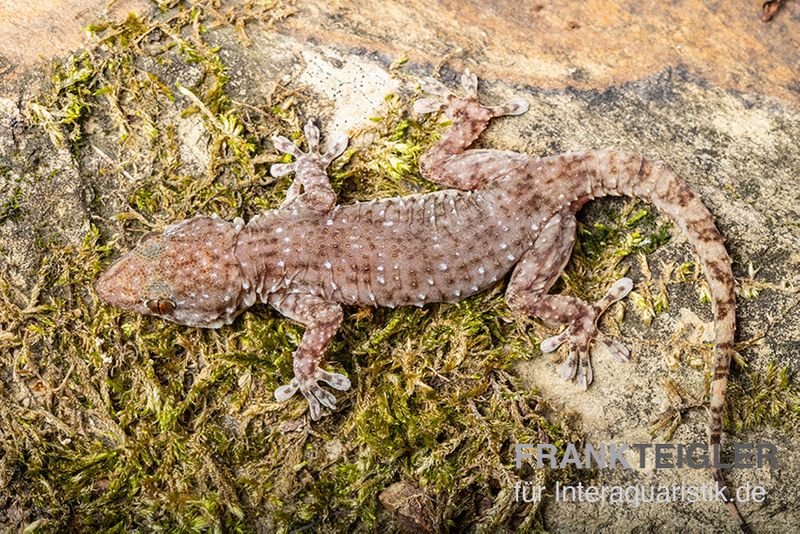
{"x":768,"y":397}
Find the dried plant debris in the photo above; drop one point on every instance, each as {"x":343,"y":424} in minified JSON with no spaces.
{"x":769,"y":8}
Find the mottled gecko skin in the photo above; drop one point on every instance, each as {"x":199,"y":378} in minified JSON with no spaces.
{"x":502,"y":212}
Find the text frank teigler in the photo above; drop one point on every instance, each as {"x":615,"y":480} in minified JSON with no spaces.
{"x":631,"y":456}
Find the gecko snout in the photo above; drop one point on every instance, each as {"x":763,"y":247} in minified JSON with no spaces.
{"x":117,"y":284}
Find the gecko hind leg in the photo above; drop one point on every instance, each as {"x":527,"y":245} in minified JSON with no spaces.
{"x":448,"y":162}
{"x":533,"y":277}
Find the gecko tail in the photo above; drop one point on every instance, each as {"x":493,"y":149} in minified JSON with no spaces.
{"x":730,"y":502}
{"x":617,"y":172}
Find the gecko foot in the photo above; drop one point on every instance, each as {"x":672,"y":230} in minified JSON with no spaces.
{"x":581,"y":334}
{"x":313,"y":393}
{"x":313,"y":155}
{"x":441,"y":97}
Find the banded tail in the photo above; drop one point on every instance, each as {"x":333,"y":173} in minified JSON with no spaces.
{"x":616,"y":172}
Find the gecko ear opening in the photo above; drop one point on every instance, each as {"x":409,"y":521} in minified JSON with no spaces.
{"x":149,"y":235}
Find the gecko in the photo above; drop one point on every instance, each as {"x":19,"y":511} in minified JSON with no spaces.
{"x":498,"y":212}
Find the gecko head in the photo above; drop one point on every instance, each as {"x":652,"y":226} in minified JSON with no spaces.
{"x":189,"y":274}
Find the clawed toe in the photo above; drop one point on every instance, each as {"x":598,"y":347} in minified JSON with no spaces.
{"x":570,"y":366}
{"x":552,"y":343}
{"x":428,"y":105}
{"x":334,"y":380}
{"x":516,"y":106}
{"x":281,"y":169}
{"x":313,"y":393}
{"x":312,"y":136}
{"x":434,"y":88}
{"x":582,"y":336}
{"x":578,"y":364}
{"x":286,"y":146}
{"x":336,"y":149}
{"x":440,"y":97}
{"x":283,"y":144}
{"x":617,"y":350}
{"x":617,"y":292}
{"x":585,"y":376}
{"x":286,"y":392}
{"x":470,"y":84}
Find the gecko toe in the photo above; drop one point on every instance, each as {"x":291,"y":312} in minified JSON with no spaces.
{"x":314,"y":394}
{"x":313,"y":405}
{"x":570,"y":366}
{"x":325,"y":397}
{"x":470,"y":84}
{"x":435,"y":88}
{"x":617,"y":350}
{"x":516,"y":106}
{"x":428,"y":105}
{"x":621,"y":288}
{"x":286,"y":392}
{"x":617,"y":292}
{"x":552,"y":343}
{"x":286,"y":146}
{"x":312,"y":136}
{"x":336,"y":149}
{"x":335,"y":380}
{"x":585,"y":375}
{"x":281,"y":169}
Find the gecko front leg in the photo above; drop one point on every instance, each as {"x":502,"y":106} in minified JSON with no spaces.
{"x":311,"y":187}
{"x":321,"y":319}
{"x":448,"y":162}
{"x":533,"y":277}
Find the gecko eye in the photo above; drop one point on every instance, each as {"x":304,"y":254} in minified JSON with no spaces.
{"x":160,"y":306}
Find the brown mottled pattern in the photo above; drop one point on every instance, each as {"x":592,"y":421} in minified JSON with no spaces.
{"x":505,"y":211}
{"x":192,"y":265}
